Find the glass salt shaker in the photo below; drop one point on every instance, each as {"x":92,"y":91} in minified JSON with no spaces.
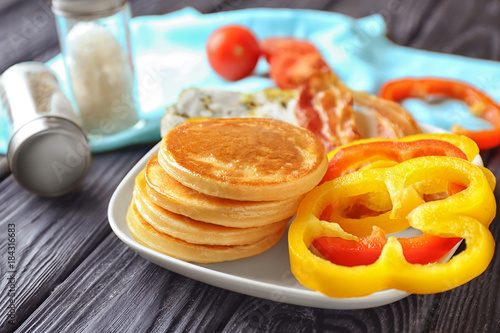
{"x":48,"y":152}
{"x":94,"y":36}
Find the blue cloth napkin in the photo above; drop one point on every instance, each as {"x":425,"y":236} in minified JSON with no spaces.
{"x":170,"y":56}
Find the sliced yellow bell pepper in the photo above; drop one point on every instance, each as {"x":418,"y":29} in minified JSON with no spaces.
{"x":466,"y":214}
{"x":380,"y":153}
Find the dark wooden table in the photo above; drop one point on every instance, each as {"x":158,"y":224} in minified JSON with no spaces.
{"x":74,"y":275}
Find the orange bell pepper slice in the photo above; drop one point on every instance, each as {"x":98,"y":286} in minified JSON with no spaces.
{"x":349,"y":157}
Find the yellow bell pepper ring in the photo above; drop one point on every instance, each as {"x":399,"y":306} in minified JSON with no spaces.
{"x":466,"y":214}
{"x":381,"y":153}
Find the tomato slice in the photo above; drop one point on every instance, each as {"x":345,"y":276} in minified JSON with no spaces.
{"x":291,"y":70}
{"x":292,"y":60}
{"x":275,"y":45}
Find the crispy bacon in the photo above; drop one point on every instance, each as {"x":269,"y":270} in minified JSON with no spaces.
{"x":393,"y":121}
{"x":325,"y":106}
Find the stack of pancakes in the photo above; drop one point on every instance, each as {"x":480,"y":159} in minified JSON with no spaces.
{"x":224,"y":189}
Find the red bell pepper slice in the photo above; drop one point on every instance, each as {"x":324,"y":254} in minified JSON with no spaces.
{"x":423,"y":249}
{"x":479,"y":103}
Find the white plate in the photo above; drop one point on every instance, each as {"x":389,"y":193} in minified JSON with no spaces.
{"x":266,"y":276}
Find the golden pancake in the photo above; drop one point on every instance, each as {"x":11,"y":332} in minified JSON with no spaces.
{"x":251,"y":159}
{"x":170,"y":194}
{"x":193,"y":231}
{"x":148,"y":236}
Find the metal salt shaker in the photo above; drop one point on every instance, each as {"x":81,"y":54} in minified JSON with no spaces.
{"x":48,"y":152}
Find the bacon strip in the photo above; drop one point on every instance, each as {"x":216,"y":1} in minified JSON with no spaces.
{"x":393,"y":121}
{"x":325,"y":105}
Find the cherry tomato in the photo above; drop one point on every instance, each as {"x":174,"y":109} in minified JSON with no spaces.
{"x":276,"y":45}
{"x":233,"y":52}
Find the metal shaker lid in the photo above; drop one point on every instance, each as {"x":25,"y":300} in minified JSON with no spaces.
{"x":77,"y":8}
{"x":49,"y":156}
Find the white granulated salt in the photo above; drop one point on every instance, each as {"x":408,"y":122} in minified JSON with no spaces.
{"x":102,"y":79}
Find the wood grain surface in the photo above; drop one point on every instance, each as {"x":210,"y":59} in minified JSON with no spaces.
{"x":72,"y":274}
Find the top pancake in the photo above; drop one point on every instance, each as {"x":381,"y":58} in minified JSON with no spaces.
{"x":252,"y":159}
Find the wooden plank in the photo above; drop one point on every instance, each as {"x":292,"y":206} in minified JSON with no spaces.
{"x":27,"y":31}
{"x":115,"y":290}
{"x":468,"y":28}
{"x":53,"y":236}
{"x":256,"y":315}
